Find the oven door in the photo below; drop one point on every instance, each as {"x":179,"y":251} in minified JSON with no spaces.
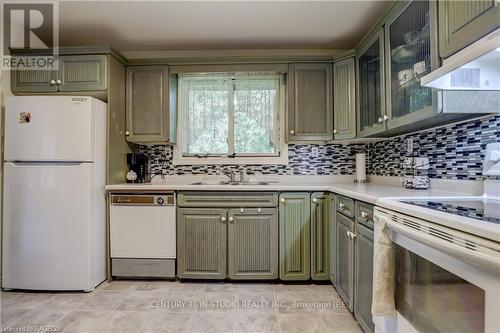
{"x":437,"y":290}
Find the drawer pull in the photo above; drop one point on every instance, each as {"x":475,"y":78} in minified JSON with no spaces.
{"x":364,"y":214}
{"x":341,"y":205}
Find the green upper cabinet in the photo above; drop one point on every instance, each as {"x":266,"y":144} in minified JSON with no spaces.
{"x":344,"y":99}
{"x":76,"y":73}
{"x":83,"y":73}
{"x":33,"y":81}
{"x":320,"y":236}
{"x":411,"y":47}
{"x":463,"y":22}
{"x":310,"y":109}
{"x":371,"y":86}
{"x":147,"y":104}
{"x":252,"y":243}
{"x":295,"y":236}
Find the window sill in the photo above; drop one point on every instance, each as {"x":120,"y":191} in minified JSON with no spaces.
{"x":178,"y":159}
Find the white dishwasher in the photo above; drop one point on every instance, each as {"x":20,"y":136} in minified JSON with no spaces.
{"x":143,"y":235}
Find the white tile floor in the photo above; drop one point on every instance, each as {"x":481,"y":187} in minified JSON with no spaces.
{"x":126,"y":306}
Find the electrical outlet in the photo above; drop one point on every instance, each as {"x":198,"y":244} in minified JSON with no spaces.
{"x":409,"y":146}
{"x":408,"y":162}
{"x":418,"y":163}
{"x":422,"y":163}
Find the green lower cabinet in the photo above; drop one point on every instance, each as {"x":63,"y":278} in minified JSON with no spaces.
{"x":201,"y":243}
{"x":320,"y":216}
{"x":345,"y":259}
{"x":252,"y":243}
{"x":295,"y":236}
{"x":333,"y":231}
{"x":363,"y":282}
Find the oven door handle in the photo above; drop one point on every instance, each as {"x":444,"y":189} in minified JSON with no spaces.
{"x":474,"y":257}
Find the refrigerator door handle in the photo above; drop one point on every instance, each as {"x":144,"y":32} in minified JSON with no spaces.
{"x":69,"y":163}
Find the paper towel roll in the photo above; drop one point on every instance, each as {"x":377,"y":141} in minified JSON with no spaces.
{"x":360,"y":167}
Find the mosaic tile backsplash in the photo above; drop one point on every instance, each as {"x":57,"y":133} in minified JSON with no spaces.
{"x":455,"y":151}
{"x":326,"y":159}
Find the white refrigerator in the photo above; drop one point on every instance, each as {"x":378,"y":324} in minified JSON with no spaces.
{"x":54,"y":203}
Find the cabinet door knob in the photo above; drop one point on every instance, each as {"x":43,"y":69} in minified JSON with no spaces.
{"x":282,"y":199}
{"x":231,"y":219}
{"x":292,"y":132}
{"x":353,"y":235}
{"x":348,"y":234}
{"x":127,"y":133}
{"x":315,"y":200}
{"x":380,"y":120}
{"x":58,"y":82}
{"x":364,"y":214}
{"x":259,"y":210}
{"x":341,"y":205}
{"x":52,"y":82}
{"x":386,"y":117}
{"x":223,"y":219}
{"x":334,"y":131}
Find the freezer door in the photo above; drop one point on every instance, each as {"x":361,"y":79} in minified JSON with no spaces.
{"x":47,"y":226}
{"x":49,"y":128}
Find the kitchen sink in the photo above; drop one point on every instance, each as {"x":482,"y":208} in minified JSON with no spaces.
{"x":250,"y":182}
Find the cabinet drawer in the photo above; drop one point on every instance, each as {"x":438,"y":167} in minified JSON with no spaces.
{"x":227,"y":199}
{"x":364,"y":214}
{"x":345,"y":206}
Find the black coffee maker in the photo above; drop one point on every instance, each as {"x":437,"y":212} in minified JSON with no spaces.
{"x":139,"y":163}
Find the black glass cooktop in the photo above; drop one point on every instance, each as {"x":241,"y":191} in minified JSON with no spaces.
{"x":479,"y":209}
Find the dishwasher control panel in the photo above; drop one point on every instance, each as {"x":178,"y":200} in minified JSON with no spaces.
{"x":142,"y":200}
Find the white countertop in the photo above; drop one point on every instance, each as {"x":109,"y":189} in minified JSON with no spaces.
{"x":381,"y":191}
{"x":382,"y":187}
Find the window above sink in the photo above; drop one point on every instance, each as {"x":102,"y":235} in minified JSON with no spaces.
{"x":230,"y":118}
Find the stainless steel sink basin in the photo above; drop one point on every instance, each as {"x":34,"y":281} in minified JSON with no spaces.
{"x":231,"y":183}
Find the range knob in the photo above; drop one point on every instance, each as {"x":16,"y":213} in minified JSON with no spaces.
{"x":160,"y":201}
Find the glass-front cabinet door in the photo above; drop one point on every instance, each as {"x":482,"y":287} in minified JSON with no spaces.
{"x":371,"y":92}
{"x":411,"y":46}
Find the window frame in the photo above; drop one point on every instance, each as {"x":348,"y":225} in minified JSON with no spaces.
{"x":279,"y":157}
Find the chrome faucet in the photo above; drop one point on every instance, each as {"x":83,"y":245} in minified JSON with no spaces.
{"x":231,"y":175}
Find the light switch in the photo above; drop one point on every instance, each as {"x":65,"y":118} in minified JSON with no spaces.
{"x":491,"y":166}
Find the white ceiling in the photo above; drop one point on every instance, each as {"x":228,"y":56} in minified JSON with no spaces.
{"x":215,"y":25}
